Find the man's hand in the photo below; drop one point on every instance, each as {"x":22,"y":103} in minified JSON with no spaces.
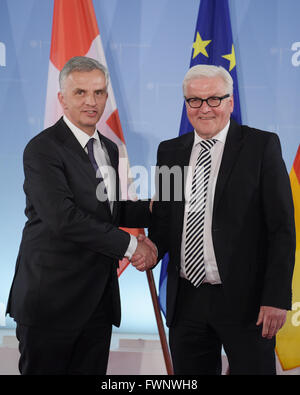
{"x":145,"y":255}
{"x":272,"y":319}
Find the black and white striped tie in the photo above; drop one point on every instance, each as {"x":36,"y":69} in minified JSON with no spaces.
{"x":194,"y":254}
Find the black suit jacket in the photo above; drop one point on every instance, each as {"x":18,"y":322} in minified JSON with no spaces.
{"x":252,"y":226}
{"x":71,"y":242}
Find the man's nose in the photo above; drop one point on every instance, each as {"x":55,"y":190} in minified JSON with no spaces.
{"x":90,"y":99}
{"x":205,"y":107}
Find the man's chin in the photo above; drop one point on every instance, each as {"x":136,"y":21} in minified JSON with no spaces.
{"x":206,"y":133}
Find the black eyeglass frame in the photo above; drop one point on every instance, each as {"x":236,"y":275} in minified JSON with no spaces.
{"x":206,"y":100}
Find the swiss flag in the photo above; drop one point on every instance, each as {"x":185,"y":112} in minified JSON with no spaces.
{"x":75,"y":33}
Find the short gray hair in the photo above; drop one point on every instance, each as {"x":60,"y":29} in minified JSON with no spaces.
{"x":81,"y":63}
{"x":208,"y":71}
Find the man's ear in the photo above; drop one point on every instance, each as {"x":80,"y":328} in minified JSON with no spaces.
{"x":61,"y":100}
{"x":232,"y":103}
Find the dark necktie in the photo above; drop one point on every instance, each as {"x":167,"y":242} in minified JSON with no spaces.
{"x":90,"y":148}
{"x":194,"y":253}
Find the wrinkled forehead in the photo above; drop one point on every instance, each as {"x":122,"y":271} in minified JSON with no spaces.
{"x":212,"y":86}
{"x":84,"y":79}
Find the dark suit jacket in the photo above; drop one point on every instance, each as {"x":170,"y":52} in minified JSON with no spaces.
{"x":252,"y":226}
{"x":71,"y":242}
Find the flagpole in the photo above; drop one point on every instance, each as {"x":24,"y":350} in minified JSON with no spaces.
{"x":160,"y":326}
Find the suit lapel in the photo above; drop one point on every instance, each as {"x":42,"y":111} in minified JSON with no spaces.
{"x":186,"y":148}
{"x":183,"y":159}
{"x":231,"y":150}
{"x":114,"y":161}
{"x":67,"y":138}
{"x":113,"y":154}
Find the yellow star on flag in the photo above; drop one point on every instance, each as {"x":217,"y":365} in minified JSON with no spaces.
{"x":199,"y":46}
{"x":231,"y":58}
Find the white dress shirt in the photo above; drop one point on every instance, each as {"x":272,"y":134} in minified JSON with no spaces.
{"x":107,"y":172}
{"x":211,"y":270}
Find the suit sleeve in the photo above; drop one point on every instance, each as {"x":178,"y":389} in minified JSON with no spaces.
{"x":279,"y":219}
{"x":135,"y":214}
{"x":46,"y":186}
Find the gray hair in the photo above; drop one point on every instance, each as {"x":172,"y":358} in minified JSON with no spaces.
{"x":208,"y":71}
{"x":81,"y":63}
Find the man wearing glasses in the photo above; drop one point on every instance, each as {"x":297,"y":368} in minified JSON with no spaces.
{"x":231,"y":240}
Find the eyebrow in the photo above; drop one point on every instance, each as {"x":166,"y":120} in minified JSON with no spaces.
{"x":84,"y":90}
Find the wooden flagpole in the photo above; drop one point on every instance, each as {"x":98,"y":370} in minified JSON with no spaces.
{"x":160,"y":326}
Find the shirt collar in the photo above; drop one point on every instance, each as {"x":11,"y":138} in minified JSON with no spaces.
{"x":80,"y":135}
{"x":221,"y":136}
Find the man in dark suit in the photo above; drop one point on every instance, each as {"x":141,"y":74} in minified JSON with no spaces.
{"x":231,"y":240}
{"x":65,"y":293}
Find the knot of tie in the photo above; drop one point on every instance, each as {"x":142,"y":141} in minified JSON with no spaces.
{"x":90,"y":144}
{"x":208,"y":144}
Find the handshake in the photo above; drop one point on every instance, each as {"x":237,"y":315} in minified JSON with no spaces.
{"x":145,"y":256}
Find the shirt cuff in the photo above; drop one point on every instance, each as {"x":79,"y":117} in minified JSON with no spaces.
{"x":131,"y":247}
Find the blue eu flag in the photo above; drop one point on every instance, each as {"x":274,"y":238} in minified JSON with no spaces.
{"x":212,"y":45}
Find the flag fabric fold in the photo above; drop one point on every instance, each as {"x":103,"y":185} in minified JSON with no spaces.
{"x":75,"y":33}
{"x":288,"y":338}
{"x":212,"y":45}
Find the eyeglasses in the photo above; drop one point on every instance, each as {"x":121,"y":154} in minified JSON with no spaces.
{"x":213,"y":101}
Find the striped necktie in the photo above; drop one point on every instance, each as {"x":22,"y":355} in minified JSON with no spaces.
{"x":194,"y":253}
